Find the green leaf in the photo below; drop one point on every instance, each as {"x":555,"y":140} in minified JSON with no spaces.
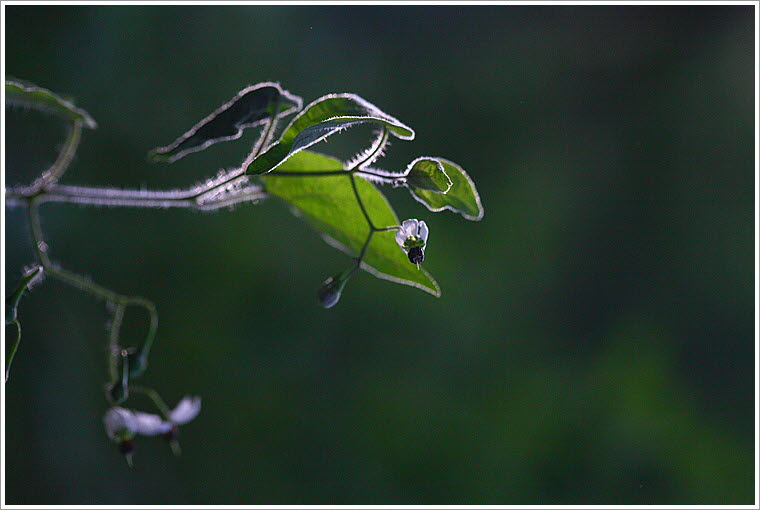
{"x":428,"y":174}
{"x":322,"y":118}
{"x":250,"y":107}
{"x":11,"y":313}
{"x":462,"y":197}
{"x":11,"y":302}
{"x":328,"y":203}
{"x":20,"y":93}
{"x":16,"y":336}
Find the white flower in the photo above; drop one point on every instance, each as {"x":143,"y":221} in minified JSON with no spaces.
{"x":122,"y":425}
{"x":412,"y":237}
{"x":187,"y":409}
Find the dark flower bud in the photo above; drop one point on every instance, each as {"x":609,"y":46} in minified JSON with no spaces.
{"x":329,"y":293}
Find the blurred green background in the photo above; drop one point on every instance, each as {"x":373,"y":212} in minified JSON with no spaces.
{"x":594,"y":341}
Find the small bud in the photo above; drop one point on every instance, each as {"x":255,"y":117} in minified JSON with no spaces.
{"x":329,"y":293}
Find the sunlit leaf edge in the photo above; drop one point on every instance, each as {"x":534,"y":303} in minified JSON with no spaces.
{"x":164,"y":154}
{"x":426,"y":283}
{"x":18,"y":93}
{"x":476,"y":195}
{"x":323,"y":124}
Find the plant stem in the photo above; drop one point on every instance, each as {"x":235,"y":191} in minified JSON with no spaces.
{"x":113,"y":341}
{"x":156,"y":398}
{"x":361,"y":204}
{"x":265,"y":137}
{"x":52,"y":174}
{"x":223,"y":191}
{"x":121,"y":301}
{"x":307,"y":173}
{"x":372,"y":153}
{"x":196,"y":199}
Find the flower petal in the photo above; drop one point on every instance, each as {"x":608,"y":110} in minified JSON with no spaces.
{"x":423,"y":231}
{"x":187,"y":409}
{"x":401,"y":237}
{"x":120,"y":423}
{"x":150,"y":424}
{"x":410,"y":227}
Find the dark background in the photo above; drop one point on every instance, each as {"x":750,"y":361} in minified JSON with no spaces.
{"x":594,"y":341}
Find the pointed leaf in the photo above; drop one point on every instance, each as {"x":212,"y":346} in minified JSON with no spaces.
{"x":20,"y":93}
{"x":250,"y":107}
{"x":28,"y":279}
{"x":428,"y":174}
{"x":328,"y":203}
{"x":12,"y":331}
{"x":322,"y":118}
{"x":462,"y":198}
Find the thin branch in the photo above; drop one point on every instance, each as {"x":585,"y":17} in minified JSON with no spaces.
{"x":114,"y":197}
{"x":361,"y":203}
{"x":371,"y":154}
{"x":57,"y":169}
{"x":265,"y":137}
{"x":113,"y":340}
{"x":156,"y":398}
{"x":121,"y":301}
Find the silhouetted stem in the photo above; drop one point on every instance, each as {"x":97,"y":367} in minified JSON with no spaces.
{"x":82,"y":283}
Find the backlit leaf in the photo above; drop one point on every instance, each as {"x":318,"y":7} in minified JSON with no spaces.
{"x":328,"y":203}
{"x":462,"y":197}
{"x":24,"y":94}
{"x":250,"y":107}
{"x":428,"y":174}
{"x":322,"y":118}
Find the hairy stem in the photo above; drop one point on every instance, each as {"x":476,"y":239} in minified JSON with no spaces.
{"x":196,"y":199}
{"x":52,"y":174}
{"x":265,"y":137}
{"x":371,"y":154}
{"x":119,"y":300}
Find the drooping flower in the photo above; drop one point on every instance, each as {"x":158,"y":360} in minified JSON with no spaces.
{"x":123,"y":425}
{"x":187,"y":409}
{"x":412,"y":237}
